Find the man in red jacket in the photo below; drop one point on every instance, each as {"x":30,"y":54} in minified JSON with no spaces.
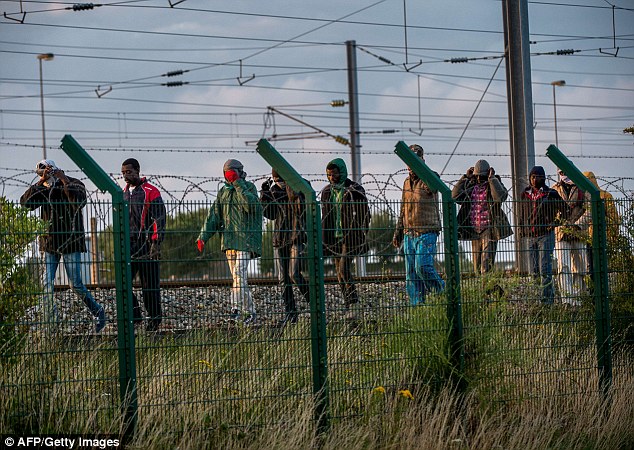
{"x":147,"y":230}
{"x":540,"y":208}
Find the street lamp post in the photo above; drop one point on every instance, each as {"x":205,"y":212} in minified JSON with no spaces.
{"x":555,"y":84}
{"x":43,"y":57}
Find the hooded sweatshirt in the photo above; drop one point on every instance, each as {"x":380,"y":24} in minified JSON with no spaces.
{"x":575,"y":202}
{"x":345,"y":214}
{"x":611,"y":213}
{"x":337,"y":193}
{"x":236,"y":215}
{"x":539,"y":208}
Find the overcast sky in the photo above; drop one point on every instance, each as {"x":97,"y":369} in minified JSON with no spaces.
{"x":297,"y":54}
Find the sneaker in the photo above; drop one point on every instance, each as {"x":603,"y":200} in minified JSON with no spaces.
{"x":234,"y":316}
{"x":495,"y":292}
{"x":251,"y":319}
{"x":101,"y":320}
{"x":288,"y":318}
{"x":571,"y":302}
{"x":351,"y":314}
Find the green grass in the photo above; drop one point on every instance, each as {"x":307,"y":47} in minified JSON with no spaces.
{"x":531,"y":374}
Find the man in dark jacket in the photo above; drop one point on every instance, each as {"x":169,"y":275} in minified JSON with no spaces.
{"x":345,"y":218}
{"x":147,"y":230}
{"x":481,"y":219}
{"x":539,"y":209}
{"x":61,"y":199}
{"x":417,"y":229}
{"x":287,"y":209}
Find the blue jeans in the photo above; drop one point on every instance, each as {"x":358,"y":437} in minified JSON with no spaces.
{"x":541,"y":258}
{"x":72,"y":264}
{"x":421,"y":275}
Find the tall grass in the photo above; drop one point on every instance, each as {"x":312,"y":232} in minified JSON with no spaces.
{"x":429,"y":420}
{"x":531,"y":373}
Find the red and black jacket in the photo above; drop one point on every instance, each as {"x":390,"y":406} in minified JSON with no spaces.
{"x":540,"y":211}
{"x":147,"y":217}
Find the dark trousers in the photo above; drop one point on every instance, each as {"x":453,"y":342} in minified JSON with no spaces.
{"x":343,"y":266}
{"x":289,"y":261}
{"x":149,"y":274}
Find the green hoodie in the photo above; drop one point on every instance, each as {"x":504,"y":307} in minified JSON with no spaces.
{"x":337,"y":192}
{"x":345,"y":215}
{"x":237,"y":215}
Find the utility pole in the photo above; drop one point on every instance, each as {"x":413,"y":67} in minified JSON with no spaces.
{"x":520,"y":107}
{"x":353,"y":108}
{"x":355,"y":145}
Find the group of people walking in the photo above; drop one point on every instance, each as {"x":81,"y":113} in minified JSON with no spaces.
{"x":60,"y":199}
{"x":551,"y":220}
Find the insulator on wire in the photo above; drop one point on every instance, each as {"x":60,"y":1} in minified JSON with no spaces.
{"x":568,"y":51}
{"x":337,"y":103}
{"x":83,"y":6}
{"x":174,"y":83}
{"x":174,"y":73}
{"x":388,"y":131}
{"x":342,"y":140}
{"x":459,"y":60}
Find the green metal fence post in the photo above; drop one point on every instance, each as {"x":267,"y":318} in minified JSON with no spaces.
{"x":600,"y":262}
{"x":123,"y":282}
{"x":319,"y":347}
{"x":452,"y":262}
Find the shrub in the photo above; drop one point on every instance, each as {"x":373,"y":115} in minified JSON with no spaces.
{"x":18,"y":285}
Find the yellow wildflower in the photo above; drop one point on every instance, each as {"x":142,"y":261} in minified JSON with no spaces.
{"x":205,"y":362}
{"x":406,"y":393}
{"x":379,"y":390}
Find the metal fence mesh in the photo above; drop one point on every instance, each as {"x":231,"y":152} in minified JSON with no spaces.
{"x":206,"y":362}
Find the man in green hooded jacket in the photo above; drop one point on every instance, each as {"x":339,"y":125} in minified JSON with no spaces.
{"x":345,"y":217}
{"x":237,"y":216}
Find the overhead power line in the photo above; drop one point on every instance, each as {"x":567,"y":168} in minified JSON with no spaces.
{"x":293,"y":151}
